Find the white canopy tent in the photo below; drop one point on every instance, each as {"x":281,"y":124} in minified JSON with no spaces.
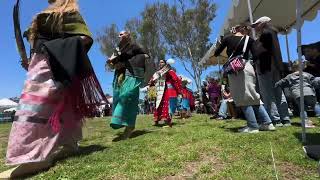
{"x":210,"y":60}
{"x":282,"y":13}
{"x":7,"y":103}
{"x":285,"y":15}
{"x":10,"y":109}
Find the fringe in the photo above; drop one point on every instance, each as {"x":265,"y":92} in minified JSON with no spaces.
{"x":85,"y":96}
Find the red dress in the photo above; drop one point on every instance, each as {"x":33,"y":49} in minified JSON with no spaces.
{"x":187,"y":94}
{"x":172,"y":89}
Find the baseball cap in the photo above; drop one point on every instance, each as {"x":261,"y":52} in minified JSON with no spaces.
{"x":263,"y":19}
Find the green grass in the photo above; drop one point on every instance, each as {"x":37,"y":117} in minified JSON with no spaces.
{"x":198,"y":148}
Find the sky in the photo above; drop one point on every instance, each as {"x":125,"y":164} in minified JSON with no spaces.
{"x":99,"y":14}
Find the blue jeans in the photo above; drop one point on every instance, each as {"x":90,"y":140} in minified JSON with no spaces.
{"x":274,"y":100}
{"x":250,"y":113}
{"x":312,"y":102}
{"x":223,"y":110}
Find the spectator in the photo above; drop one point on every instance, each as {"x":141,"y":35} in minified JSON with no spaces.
{"x":312,"y":54}
{"x":214,"y":91}
{"x":242,"y":84}
{"x":223,"y":110}
{"x":292,"y":81}
{"x":269,"y":66}
{"x":206,"y":104}
{"x":146,"y":105}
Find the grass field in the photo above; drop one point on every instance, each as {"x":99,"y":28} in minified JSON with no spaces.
{"x":197,"y":148}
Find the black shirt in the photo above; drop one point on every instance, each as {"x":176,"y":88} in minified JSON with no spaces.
{"x":231,"y":42}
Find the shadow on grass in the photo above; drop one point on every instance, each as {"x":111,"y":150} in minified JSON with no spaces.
{"x":231,"y":129}
{"x":134,"y":134}
{"x":312,"y":138}
{"x":164,"y":124}
{"x":296,"y":124}
{"x":83,"y":151}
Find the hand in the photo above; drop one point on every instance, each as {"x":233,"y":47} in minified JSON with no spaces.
{"x":109,"y":65}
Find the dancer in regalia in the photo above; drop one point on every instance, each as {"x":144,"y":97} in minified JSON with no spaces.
{"x":168,"y":86}
{"x":60,"y":90}
{"x":129,"y":61}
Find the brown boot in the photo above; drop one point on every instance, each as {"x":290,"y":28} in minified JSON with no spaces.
{"x":127,"y":132}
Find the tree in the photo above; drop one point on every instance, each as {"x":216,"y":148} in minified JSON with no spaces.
{"x":145,"y":32}
{"x":185,"y":27}
{"x":108,"y":40}
{"x":151,"y":35}
{"x":214,"y":75}
{"x":180,"y":30}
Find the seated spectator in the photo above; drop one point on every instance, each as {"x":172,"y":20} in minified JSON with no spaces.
{"x":292,"y":81}
{"x":223,"y":110}
{"x":312,"y":54}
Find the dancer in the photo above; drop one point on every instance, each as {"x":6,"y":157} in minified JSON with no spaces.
{"x":54,"y":99}
{"x":187,"y":101}
{"x":129,"y":63}
{"x":168,"y":86}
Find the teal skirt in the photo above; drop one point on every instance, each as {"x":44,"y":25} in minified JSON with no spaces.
{"x":125,"y":102}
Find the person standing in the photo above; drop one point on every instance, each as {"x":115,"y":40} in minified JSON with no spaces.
{"x":129,"y":62}
{"x":53,"y":103}
{"x":243,"y":84}
{"x":214,"y":91}
{"x":269,"y":66}
{"x":168,"y":86}
{"x":206,"y":107}
{"x":187,"y":100}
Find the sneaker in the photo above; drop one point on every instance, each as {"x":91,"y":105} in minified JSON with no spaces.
{"x":267,"y":127}
{"x":278,"y":124}
{"x":248,"y":130}
{"x":220,"y":118}
{"x":287,"y":124}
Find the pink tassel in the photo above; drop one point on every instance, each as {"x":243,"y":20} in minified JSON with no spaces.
{"x":85,"y":95}
{"x":55,"y":119}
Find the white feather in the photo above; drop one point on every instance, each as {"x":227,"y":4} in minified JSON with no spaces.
{"x":170,"y":61}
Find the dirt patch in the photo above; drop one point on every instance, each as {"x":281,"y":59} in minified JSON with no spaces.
{"x":288,"y":170}
{"x":207,"y":165}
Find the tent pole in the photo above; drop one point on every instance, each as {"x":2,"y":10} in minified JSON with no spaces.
{"x":251,"y":18}
{"x":299,"y":24}
{"x":288,"y":51}
{"x":219,"y":64}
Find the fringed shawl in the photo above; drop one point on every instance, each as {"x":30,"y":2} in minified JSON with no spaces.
{"x":70,"y":65}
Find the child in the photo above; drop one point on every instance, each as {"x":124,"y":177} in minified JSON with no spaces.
{"x":187,"y":100}
{"x":292,"y":81}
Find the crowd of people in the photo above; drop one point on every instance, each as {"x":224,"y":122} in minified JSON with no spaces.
{"x":61,"y":88}
{"x":266,"y":92}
